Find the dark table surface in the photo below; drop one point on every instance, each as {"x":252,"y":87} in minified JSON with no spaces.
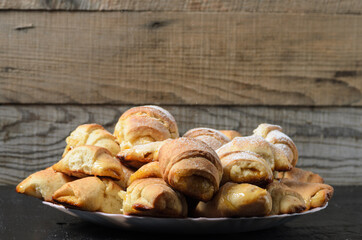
{"x":23,"y":217}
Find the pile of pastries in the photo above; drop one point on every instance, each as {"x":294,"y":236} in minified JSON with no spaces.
{"x":145,"y":168}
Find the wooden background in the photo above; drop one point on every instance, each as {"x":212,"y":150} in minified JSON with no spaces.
{"x":220,"y":64}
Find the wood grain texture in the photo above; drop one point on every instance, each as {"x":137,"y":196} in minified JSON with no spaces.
{"x":180,"y":58}
{"x":274,"y":6}
{"x":328,"y":139}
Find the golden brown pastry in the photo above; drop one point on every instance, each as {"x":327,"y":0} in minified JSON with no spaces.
{"x":90,"y":160}
{"x":285,"y":151}
{"x":127,"y":173}
{"x":211,"y":137}
{"x":254,"y":144}
{"x":299,"y":175}
{"x":139,"y":155}
{"x":245,"y":167}
{"x":314,"y":194}
{"x":43,"y":184}
{"x":91,"y":194}
{"x":150,"y":170}
{"x":145,"y":124}
{"x":153,"y":197}
{"x":92,"y":134}
{"x":236,"y":200}
{"x":231,"y":134}
{"x":285,"y":200}
{"x":191,"y":167}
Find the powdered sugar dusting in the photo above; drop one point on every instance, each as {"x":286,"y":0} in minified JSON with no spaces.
{"x":166,"y":113}
{"x":194,"y":143}
{"x":207,"y":131}
{"x":264,"y":128}
{"x":250,"y":140}
{"x":276,"y":136}
{"x":242,"y":155}
{"x":244,"y":144}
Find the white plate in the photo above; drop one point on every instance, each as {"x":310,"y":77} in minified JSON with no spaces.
{"x":183,"y":225}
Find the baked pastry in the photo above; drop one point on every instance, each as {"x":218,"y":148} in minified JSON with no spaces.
{"x":236,"y":200}
{"x":43,"y":184}
{"x":191,"y":167}
{"x":139,"y":155}
{"x":123,"y":181}
{"x":145,"y":124}
{"x":150,"y":170}
{"x":231,"y":134}
{"x":254,"y":144}
{"x":245,"y":167}
{"x":285,"y":200}
{"x":299,"y":175}
{"x":211,"y":137}
{"x":314,"y":194}
{"x":92,"y":134}
{"x":285,"y":151}
{"x":90,"y":160}
{"x":153,"y":197}
{"x":91,"y":194}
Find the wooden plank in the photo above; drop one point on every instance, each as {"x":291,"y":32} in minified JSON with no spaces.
{"x":328,"y":139}
{"x":275,"y":6}
{"x":180,"y":58}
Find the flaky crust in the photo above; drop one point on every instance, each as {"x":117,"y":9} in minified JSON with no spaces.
{"x":90,"y":160}
{"x":211,"y":137}
{"x":139,"y":155}
{"x":153,"y":197}
{"x":285,"y":151}
{"x":231,"y":134}
{"x":300,"y":175}
{"x":43,"y":184}
{"x":91,"y":194}
{"x":254,"y":144}
{"x":150,"y":170}
{"x":314,"y":194}
{"x":245,"y":167}
{"x":285,"y":199}
{"x":145,"y":124}
{"x":123,"y":181}
{"x":236,"y":200}
{"x":191,"y":167}
{"x":92,"y":134}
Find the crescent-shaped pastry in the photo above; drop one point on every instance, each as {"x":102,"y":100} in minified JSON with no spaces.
{"x":43,"y":184}
{"x":236,"y":200}
{"x":90,"y":160}
{"x":153,"y":197}
{"x":91,"y":194}
{"x":285,"y":151}
{"x":139,"y":155}
{"x":145,"y":124}
{"x":92,"y":134}
{"x":245,"y":167}
{"x":191,"y":167}
{"x":299,"y":175}
{"x":231,"y":134}
{"x":285,"y":200}
{"x":314,"y":194}
{"x":211,"y":137}
{"x":125,"y":176}
{"x":254,"y":144}
{"x":150,"y":170}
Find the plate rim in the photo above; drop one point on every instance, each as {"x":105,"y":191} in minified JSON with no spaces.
{"x":112,"y":215}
